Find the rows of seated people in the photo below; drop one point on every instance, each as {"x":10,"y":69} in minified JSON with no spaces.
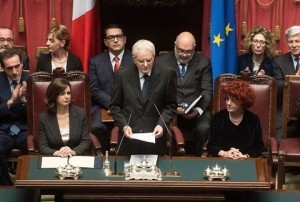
{"x":141,"y":95}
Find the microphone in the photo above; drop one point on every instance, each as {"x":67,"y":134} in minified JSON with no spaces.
{"x":117,"y":152}
{"x":171,"y":172}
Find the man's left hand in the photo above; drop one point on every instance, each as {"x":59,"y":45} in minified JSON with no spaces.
{"x":190,"y":115}
{"x":158,"y":131}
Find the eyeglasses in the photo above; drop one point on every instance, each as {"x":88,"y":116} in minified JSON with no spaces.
{"x":182,"y":52}
{"x":9,"y":40}
{"x":111,"y":38}
{"x":261,"y":42}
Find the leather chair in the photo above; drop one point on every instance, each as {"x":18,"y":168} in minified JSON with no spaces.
{"x":264,"y":107}
{"x":289,"y":148}
{"x":37,"y":85}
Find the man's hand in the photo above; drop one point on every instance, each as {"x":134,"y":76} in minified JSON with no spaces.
{"x":193,"y":113}
{"x":158,"y":131}
{"x":261,"y":72}
{"x":298,"y":72}
{"x":127,"y":131}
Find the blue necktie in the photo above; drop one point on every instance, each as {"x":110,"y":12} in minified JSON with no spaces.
{"x":145,"y":85}
{"x":182,"y":70}
{"x":13,"y":85}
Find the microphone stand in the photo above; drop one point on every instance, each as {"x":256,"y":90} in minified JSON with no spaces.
{"x":117,"y":152}
{"x":171,"y":173}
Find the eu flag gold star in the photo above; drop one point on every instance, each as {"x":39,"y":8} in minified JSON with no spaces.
{"x":228,"y":29}
{"x":218,"y":39}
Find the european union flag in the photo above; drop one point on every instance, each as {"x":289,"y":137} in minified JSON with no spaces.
{"x":223,"y":43}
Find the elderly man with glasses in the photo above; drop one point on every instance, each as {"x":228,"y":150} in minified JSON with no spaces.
{"x":194,"y":79}
{"x":7,"y":41}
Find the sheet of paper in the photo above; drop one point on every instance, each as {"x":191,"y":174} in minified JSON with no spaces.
{"x":53,"y":162}
{"x":81,"y":161}
{"x":146,"y":137}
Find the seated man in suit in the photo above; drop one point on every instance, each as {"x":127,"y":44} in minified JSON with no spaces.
{"x":286,"y":64}
{"x":194,"y":79}
{"x":102,"y":73}
{"x":142,"y":92}
{"x":13,"y":116}
{"x":7,"y":41}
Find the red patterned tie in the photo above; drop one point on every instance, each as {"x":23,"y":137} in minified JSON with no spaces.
{"x":117,"y":63}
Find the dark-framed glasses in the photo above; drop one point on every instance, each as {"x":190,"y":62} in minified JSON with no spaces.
{"x":113,"y":37}
{"x":261,"y":42}
{"x":186,"y":52}
{"x":9,"y":40}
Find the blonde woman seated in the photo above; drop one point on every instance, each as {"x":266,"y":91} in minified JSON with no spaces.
{"x":63,"y":126}
{"x":236,"y":132}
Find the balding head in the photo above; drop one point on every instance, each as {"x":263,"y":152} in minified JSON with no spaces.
{"x":184,"y":47}
{"x":185,"y":39}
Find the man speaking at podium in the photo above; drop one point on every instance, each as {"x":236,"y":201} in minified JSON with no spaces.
{"x":142,"y":92}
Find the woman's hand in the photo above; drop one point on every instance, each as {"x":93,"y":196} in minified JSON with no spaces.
{"x":233,"y":153}
{"x":65,"y":152}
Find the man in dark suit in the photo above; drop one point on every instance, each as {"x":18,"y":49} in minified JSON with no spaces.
{"x":194,"y":79}
{"x":13,"y":118}
{"x":7,"y":41}
{"x":286,"y":64}
{"x":102,"y":73}
{"x":138,"y":90}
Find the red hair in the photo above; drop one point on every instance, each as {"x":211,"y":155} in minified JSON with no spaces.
{"x":240,"y":90}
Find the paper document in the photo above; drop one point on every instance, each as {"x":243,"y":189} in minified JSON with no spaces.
{"x":192,"y":105}
{"x":146,"y":137}
{"x":81,"y":161}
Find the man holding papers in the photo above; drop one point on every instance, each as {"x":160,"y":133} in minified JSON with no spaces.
{"x":138,"y":89}
{"x":194,"y":87}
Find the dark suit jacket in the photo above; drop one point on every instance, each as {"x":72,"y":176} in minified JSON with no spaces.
{"x":246,"y":60}
{"x":127,"y":99}
{"x":50,"y":138}
{"x":44,"y":63}
{"x":197,"y":80}
{"x":283,"y":65}
{"x":17,"y":114}
{"x":102,"y":78}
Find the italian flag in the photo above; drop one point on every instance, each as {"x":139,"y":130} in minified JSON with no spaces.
{"x":85,"y":37}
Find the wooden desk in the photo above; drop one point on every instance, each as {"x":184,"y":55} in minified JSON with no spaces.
{"x":245,"y":175}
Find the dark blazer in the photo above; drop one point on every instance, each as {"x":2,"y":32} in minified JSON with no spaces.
{"x":247,"y":136}
{"x":102,"y":78}
{"x":283,"y":65}
{"x":17,"y":114}
{"x":197,"y":80}
{"x":44,"y":63}
{"x":246,"y":60}
{"x":127,"y":99}
{"x":50,"y":138}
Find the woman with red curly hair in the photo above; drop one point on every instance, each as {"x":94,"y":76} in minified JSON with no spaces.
{"x":235,"y":131}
